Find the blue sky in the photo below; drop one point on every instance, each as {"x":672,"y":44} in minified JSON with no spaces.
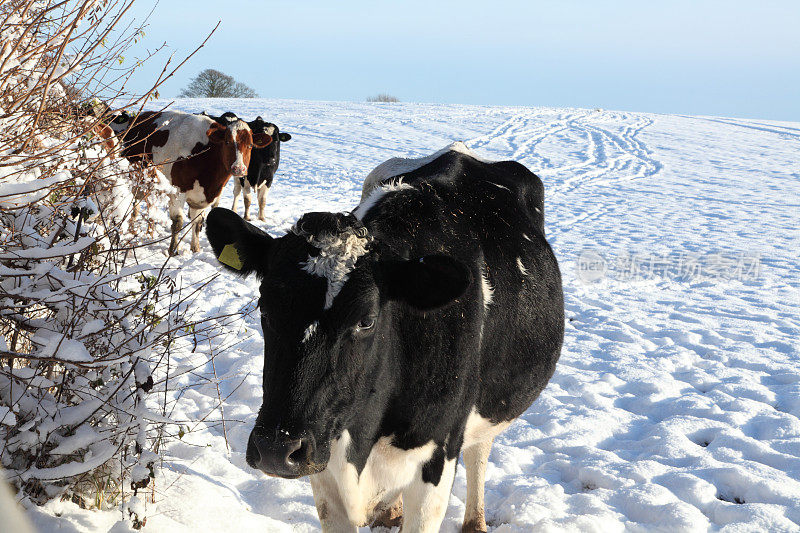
{"x":730,"y":58}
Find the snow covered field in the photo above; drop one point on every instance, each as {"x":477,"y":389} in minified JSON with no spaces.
{"x":676,"y":402}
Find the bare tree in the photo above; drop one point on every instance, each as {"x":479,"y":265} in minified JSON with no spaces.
{"x":215,"y":84}
{"x":383,"y":97}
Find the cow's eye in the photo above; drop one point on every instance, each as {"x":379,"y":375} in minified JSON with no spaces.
{"x":365,"y":323}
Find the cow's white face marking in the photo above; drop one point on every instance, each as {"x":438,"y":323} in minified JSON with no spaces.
{"x":238,"y":168}
{"x":487,"y":291}
{"x":310,"y":330}
{"x":337,"y":258}
{"x":378,"y":193}
{"x":521,"y":267}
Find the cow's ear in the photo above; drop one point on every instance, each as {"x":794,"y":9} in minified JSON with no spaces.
{"x":216,"y":133}
{"x":426,"y":283}
{"x":283,"y":137}
{"x":238,"y":245}
{"x":260,"y":140}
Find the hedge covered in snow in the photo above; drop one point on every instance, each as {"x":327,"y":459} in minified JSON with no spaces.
{"x":85,"y":331}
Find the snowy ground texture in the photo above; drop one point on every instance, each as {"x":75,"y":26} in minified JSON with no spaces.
{"x":675,"y":404}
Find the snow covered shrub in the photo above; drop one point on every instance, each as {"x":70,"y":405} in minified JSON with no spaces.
{"x":85,"y":324}
{"x":383,"y":97}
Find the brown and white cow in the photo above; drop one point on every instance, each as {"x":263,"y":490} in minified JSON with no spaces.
{"x":197,"y":154}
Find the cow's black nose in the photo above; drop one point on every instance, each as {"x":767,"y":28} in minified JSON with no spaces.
{"x":279,"y":457}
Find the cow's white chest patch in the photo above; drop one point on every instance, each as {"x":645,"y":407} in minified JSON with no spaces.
{"x":338,"y":254}
{"x":388,"y":471}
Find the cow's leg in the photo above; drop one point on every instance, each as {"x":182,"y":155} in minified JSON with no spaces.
{"x":176,"y":202}
{"x":196,"y":215}
{"x":248,"y":195}
{"x":237,"y":190}
{"x":475,"y":459}
{"x":263,"y":189}
{"x":425,"y":503}
{"x":330,"y":508}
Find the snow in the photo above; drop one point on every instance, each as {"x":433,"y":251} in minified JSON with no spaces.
{"x":52,"y":252}
{"x":92,"y":327}
{"x":67,"y":350}
{"x":11,"y":189}
{"x":675,"y":403}
{"x":7,"y":417}
{"x":83,"y":437}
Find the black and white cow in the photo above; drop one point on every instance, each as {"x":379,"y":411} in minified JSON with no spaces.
{"x":263,"y":164}
{"x":400,"y":335}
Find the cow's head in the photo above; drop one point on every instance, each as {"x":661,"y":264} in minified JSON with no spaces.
{"x":328,"y":303}
{"x":236,"y":142}
{"x":259,"y":125}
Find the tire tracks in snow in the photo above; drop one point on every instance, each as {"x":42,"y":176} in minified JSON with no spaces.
{"x":605,"y":156}
{"x":786,"y":132}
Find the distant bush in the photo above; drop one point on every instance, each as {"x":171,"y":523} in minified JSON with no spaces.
{"x":215,"y":84}
{"x":383,"y":97}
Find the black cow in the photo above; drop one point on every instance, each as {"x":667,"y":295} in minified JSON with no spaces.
{"x":399,"y":335}
{"x":263,"y":164}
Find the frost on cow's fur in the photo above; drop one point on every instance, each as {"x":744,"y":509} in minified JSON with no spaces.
{"x":337,"y":257}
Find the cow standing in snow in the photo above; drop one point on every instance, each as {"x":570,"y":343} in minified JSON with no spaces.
{"x":400,"y":335}
{"x":263,"y":165}
{"x":196,"y":153}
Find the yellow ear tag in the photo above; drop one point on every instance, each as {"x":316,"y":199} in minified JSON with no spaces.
{"x":230,"y":257}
